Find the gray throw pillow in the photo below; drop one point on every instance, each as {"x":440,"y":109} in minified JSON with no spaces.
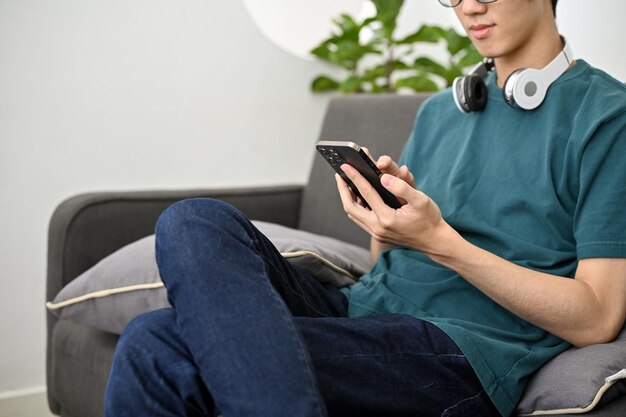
{"x":577,"y":380}
{"x":117,"y":289}
{"x":126,"y":283}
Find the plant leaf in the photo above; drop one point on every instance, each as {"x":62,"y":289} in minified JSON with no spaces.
{"x":352,"y":84}
{"x":455,"y":42}
{"x":424,"y":64}
{"x":321,"y":51}
{"x":349,"y":27}
{"x":375,"y":88}
{"x":374,"y":73}
{"x":417,"y":83}
{"x":453,"y":72}
{"x":349,"y":53}
{"x":324,"y":83}
{"x":387,"y":12}
{"x":426,"y":33}
{"x":470,"y":57}
{"x":344,"y":49}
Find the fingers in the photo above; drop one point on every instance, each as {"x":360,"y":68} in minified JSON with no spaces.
{"x":384,"y":163}
{"x":353,"y":209}
{"x":347,"y":195}
{"x":406,"y":175}
{"x":401,"y":188}
{"x":367,"y":191}
{"x":387,"y":165}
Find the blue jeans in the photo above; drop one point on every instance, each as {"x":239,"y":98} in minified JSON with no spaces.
{"x":250,"y":335}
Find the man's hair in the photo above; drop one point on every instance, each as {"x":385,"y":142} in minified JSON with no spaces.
{"x":554,"y":2}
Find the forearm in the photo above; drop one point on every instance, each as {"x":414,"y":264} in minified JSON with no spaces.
{"x":568,"y":308}
{"x":377,"y":247}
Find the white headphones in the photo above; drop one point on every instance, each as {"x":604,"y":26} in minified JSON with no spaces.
{"x":525,"y":88}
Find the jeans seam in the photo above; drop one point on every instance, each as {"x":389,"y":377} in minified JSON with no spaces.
{"x":439,"y":355}
{"x":292,"y":288}
{"x":302,"y":297}
{"x":460,"y":403}
{"x":301,"y":350}
{"x":255,"y":244}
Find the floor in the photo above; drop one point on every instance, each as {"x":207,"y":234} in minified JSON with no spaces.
{"x":33,"y":405}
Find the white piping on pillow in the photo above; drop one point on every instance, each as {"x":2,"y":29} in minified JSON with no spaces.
{"x":103,"y":293}
{"x":139,"y":287}
{"x":608,"y":383}
{"x":323,"y":260}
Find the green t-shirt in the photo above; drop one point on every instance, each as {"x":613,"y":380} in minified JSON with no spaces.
{"x":539,"y":188}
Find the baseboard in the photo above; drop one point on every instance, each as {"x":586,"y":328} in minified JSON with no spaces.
{"x":30,"y":402}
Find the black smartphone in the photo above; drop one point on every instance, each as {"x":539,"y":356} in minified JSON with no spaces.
{"x":337,"y":153}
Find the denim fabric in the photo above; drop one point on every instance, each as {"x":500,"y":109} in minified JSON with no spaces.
{"x":251,"y":335}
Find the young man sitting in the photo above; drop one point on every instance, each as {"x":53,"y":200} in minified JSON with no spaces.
{"x":510,"y":248}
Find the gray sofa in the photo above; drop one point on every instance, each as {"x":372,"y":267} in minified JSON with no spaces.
{"x":86,"y":228}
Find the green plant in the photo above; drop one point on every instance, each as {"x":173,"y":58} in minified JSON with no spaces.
{"x":385,"y":63}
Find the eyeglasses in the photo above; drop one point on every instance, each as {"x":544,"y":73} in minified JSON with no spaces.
{"x":454,"y":3}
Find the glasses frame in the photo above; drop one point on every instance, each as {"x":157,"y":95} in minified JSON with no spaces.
{"x":454,"y":3}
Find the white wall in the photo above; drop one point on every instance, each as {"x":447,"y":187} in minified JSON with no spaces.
{"x":101,"y":95}
{"x":105,"y":95}
{"x":597,"y":32}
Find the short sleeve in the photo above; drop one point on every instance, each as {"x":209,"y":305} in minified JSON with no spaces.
{"x":409,"y":150}
{"x":600,"y":216}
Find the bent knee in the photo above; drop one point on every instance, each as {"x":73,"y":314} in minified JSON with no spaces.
{"x":186,"y":213}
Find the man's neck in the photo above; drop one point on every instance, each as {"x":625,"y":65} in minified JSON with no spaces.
{"x":536,"y":53}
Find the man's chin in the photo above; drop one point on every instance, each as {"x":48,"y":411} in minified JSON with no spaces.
{"x":487,"y":48}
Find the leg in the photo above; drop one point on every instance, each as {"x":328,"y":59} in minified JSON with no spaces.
{"x":392,"y":365}
{"x":234,"y":297}
{"x":153,"y":372}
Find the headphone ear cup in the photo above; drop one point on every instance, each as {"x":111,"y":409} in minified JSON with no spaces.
{"x":508,"y":90}
{"x":459,"y":95}
{"x":475,"y":92}
{"x":470,"y":93}
{"x":525,"y":89}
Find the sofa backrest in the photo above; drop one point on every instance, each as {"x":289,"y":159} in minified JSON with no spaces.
{"x":381,"y":123}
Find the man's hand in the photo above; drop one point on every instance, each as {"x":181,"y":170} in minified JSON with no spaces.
{"x":416,"y":224}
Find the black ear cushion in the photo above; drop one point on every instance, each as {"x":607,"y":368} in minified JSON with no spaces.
{"x":475,"y":92}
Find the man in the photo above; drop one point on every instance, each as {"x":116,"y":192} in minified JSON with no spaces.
{"x":511,"y":246}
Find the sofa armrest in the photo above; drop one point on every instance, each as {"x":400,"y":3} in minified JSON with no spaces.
{"x":88,"y":227}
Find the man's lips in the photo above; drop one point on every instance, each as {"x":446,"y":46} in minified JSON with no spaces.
{"x":481,"y":31}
